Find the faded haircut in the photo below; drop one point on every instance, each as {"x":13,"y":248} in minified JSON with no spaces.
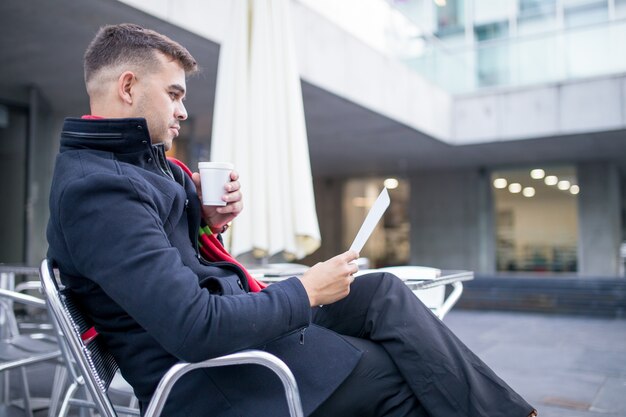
{"x":132,"y":44}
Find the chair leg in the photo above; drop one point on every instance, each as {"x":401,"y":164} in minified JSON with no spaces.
{"x":84,"y":412}
{"x":65,"y":405}
{"x":27,"y":407}
{"x":58,"y":384}
{"x":6,"y":393}
{"x":87,"y":411}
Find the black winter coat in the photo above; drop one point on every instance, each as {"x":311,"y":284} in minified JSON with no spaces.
{"x":123,"y":231}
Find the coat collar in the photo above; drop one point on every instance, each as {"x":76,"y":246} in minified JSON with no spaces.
{"x":119,"y":136}
{"x":128,"y":139}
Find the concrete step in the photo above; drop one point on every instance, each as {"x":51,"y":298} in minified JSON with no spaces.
{"x":602,"y":297}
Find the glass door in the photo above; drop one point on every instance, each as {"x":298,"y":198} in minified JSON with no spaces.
{"x":389,"y":243}
{"x":536,"y":219}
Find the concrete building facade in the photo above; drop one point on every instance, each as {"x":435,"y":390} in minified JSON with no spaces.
{"x":369,"y":115}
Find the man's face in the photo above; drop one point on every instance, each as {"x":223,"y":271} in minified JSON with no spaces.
{"x":159,"y":100}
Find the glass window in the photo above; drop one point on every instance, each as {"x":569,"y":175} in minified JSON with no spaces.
{"x":492,"y":58}
{"x":450,"y":17}
{"x":536,"y":16}
{"x":576,"y":3}
{"x":529,"y":8}
{"x":389,"y":244}
{"x":487,"y":11}
{"x":497,"y":30}
{"x":585,"y":12}
{"x":536,"y":219}
{"x":620,"y":8}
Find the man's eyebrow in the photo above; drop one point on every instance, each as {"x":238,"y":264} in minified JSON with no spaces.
{"x":179,"y":88}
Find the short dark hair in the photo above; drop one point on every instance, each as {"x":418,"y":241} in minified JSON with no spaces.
{"x":133,"y":44}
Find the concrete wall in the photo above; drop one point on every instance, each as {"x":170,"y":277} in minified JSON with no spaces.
{"x":334,"y":60}
{"x":13,"y":186}
{"x":328,"y":198}
{"x":46,"y":143}
{"x":599,"y":219}
{"x":452,"y":221}
{"x":330,"y":58}
{"x":43,"y":127}
{"x":558,"y":109}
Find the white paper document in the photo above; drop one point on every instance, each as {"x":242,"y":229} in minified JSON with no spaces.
{"x":374,"y":215}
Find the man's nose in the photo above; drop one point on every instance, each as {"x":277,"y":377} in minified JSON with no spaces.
{"x":180,"y":112}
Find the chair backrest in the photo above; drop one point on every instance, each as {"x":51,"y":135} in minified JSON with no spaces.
{"x":97,"y":366}
{"x":92,"y":359}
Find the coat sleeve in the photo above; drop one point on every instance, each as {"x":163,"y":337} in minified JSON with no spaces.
{"x":116,"y":238}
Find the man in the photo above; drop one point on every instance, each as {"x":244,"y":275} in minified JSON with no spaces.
{"x":123,"y":231}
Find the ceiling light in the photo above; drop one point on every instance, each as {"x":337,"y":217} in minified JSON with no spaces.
{"x":528,"y":192}
{"x":500,"y":183}
{"x":551,"y":180}
{"x":391,"y":183}
{"x":515,"y":187}
{"x":537,"y":174}
{"x":574,"y":189}
{"x":563,"y":185}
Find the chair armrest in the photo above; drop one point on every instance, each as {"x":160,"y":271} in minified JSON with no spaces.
{"x":22,"y":298}
{"x":256,"y":357}
{"x":28,"y":285}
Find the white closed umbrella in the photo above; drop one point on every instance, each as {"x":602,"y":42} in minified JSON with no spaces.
{"x":259,"y":126}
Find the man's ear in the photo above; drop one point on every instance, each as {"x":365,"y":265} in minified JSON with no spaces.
{"x":125,"y":84}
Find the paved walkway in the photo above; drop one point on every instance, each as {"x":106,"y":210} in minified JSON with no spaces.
{"x":565,"y":366}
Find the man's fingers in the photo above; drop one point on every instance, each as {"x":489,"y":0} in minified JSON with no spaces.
{"x":344,"y":268}
{"x":345,"y":263}
{"x":349,"y":256}
{"x":232,"y":186}
{"x":233,"y":197}
{"x":236,"y":207}
{"x":195,"y":177}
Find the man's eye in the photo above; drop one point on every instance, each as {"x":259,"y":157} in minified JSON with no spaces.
{"x":173,"y":95}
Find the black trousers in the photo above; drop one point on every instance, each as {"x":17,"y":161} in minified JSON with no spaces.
{"x":413,"y":364}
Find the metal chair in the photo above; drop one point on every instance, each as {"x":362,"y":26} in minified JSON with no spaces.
{"x":96,"y":366}
{"x":432,"y":292}
{"x":8,"y":275}
{"x":433,"y":297}
{"x":17,"y":351}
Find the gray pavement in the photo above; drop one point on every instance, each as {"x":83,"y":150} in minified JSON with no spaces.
{"x":566,"y":366}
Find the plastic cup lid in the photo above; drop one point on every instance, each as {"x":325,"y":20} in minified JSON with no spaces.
{"x":216,"y":165}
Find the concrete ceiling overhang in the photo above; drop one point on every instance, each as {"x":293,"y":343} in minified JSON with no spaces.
{"x":42,"y":43}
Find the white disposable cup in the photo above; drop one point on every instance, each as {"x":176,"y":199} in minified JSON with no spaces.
{"x":213,"y":177}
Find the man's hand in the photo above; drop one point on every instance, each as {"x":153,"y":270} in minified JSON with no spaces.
{"x":327,"y":282}
{"x":218,"y":216}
